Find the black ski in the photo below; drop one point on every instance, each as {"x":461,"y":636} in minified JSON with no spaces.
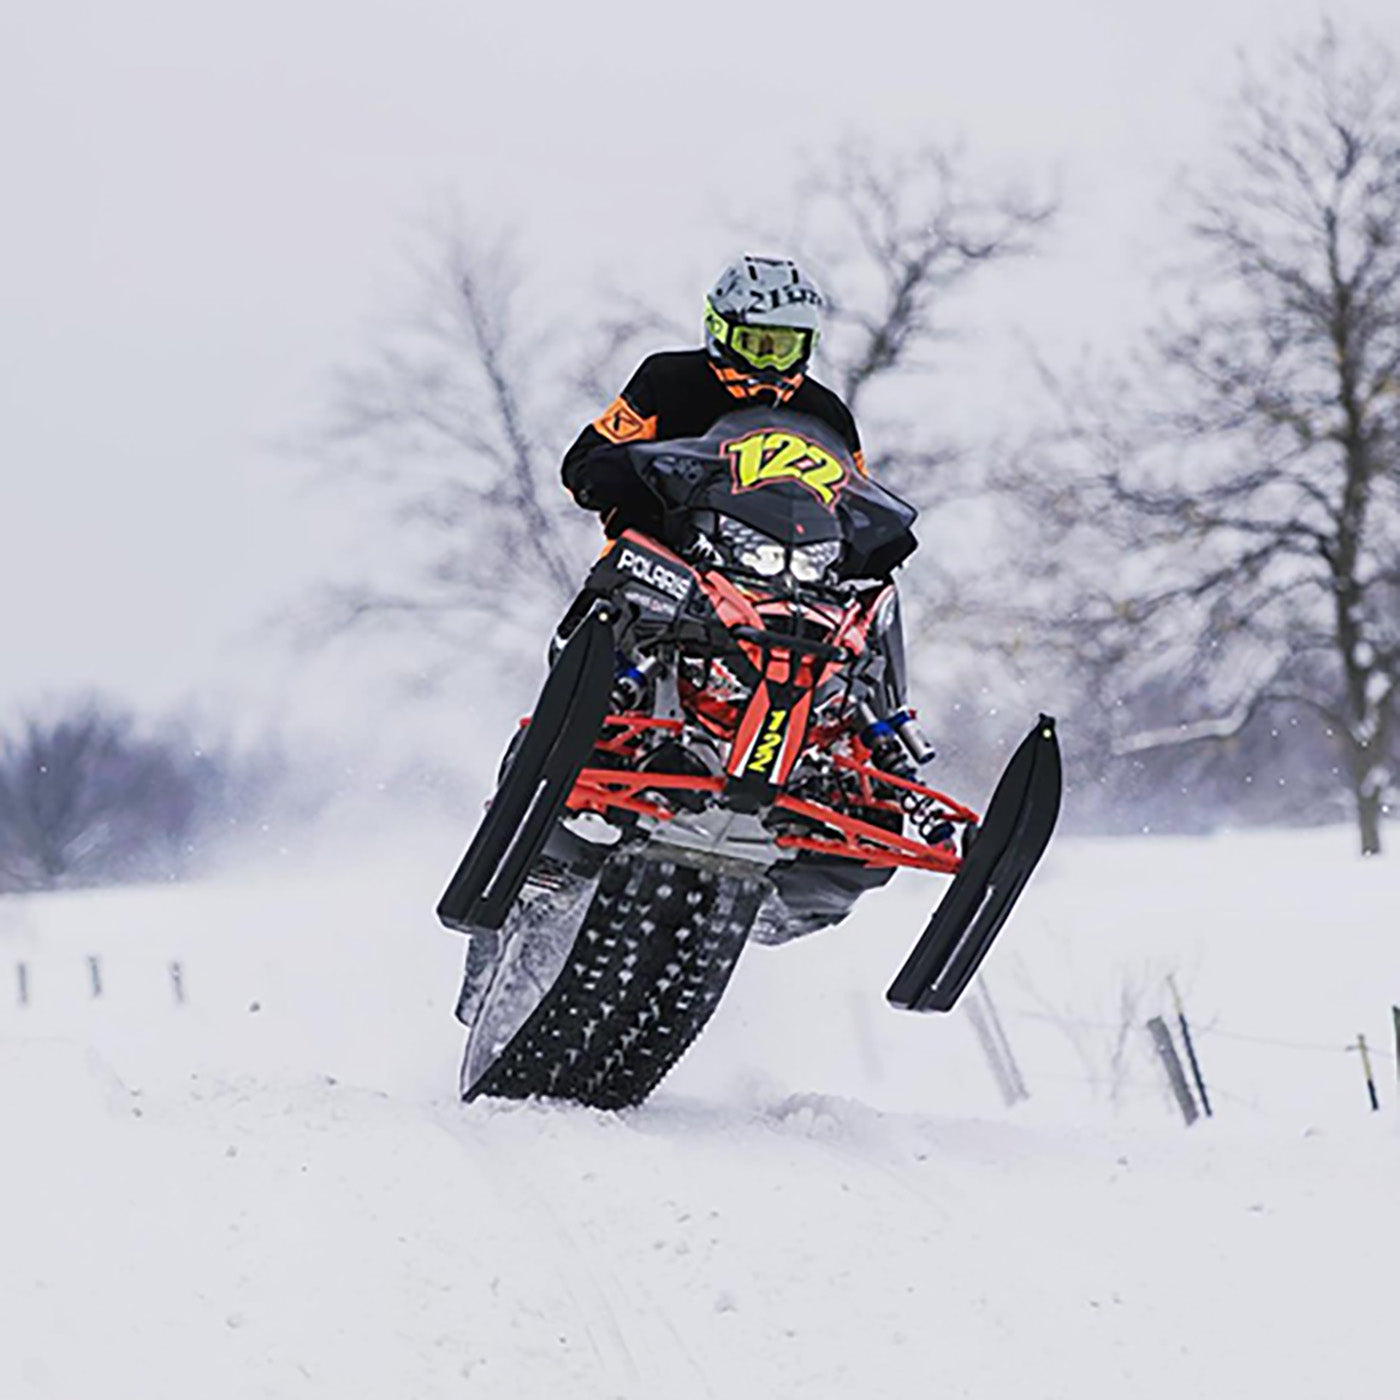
{"x":557,"y":744}
{"x":1014,"y":834}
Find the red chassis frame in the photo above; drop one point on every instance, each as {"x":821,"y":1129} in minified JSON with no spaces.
{"x":598,"y":789}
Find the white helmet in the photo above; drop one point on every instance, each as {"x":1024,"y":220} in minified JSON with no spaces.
{"x":761,"y":320}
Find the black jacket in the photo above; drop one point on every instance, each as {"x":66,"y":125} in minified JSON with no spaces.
{"x":673,"y":394}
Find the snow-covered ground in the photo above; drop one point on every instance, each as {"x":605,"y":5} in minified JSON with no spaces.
{"x":268,"y":1189}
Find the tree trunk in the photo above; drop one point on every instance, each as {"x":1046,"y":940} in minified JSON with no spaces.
{"x":1367,"y":788}
{"x":1368,"y":817}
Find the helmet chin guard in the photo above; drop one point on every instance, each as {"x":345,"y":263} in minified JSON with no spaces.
{"x":761,"y":325}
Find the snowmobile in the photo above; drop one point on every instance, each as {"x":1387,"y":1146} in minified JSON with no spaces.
{"x":721,"y":751}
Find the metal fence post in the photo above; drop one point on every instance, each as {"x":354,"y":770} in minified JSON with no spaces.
{"x":1365,"y":1052}
{"x":992,"y":1039}
{"x":1190,"y":1048}
{"x":1166,"y":1051}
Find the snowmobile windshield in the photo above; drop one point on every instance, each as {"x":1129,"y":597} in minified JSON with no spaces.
{"x":790,"y":478}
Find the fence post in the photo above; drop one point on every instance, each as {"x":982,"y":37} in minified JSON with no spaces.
{"x":1190,"y":1047}
{"x":1018,"y":1082}
{"x":1171,"y":1062}
{"x":1365,"y":1052}
{"x":22,"y":977}
{"x":981,"y":1011}
{"x":95,"y":974}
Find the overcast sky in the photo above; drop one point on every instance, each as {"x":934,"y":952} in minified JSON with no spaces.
{"x":204,"y":206}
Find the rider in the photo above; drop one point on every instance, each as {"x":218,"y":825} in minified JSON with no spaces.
{"x":761,"y":325}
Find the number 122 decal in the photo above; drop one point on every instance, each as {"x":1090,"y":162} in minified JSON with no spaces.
{"x":771,"y":455}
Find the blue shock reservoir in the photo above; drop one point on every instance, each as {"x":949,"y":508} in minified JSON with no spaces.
{"x":631,"y":682}
{"x":881,"y":738}
{"x":905,"y":725}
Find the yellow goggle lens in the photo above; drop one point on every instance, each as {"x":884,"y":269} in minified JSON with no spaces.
{"x":769,"y":347}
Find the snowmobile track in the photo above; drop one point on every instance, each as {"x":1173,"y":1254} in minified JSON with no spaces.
{"x":648,"y":966}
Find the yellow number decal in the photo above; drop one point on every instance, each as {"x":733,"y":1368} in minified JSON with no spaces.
{"x":766,"y":456}
{"x":768,"y":745}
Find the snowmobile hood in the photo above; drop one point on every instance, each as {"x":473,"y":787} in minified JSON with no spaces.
{"x":787,"y":475}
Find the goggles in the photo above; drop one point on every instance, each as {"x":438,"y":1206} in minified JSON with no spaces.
{"x":763,"y":347}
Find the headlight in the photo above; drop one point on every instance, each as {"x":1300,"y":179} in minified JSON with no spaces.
{"x":751,"y":549}
{"x":766,"y":560}
{"x":757,"y":553}
{"x":811,"y":561}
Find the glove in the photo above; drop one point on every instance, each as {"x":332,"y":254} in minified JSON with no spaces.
{"x":606,"y":479}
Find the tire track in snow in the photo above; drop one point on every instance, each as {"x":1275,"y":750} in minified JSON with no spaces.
{"x":674,"y":1343}
{"x":524,"y":1209}
{"x":629,"y":1353}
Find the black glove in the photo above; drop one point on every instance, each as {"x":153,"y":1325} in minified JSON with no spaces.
{"x":606,"y":479}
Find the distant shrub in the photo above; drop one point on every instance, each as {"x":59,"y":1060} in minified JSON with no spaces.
{"x":88,"y":797}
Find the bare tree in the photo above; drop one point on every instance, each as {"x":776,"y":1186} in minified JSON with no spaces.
{"x":897,"y":235}
{"x":1242,"y":530}
{"x":455,"y":423}
{"x":86,"y":798}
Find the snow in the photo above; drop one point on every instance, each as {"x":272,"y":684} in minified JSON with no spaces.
{"x":268,"y":1189}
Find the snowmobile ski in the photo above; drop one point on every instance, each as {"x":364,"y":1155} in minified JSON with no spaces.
{"x":556,"y":744}
{"x":1012,"y":838}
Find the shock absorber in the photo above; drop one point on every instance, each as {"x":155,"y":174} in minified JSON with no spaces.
{"x":896,"y":742}
{"x":906,"y":726}
{"x":881,"y":738}
{"x":898,"y":745}
{"x":631,"y":683}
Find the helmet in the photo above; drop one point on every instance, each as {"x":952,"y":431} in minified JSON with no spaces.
{"x":761,"y":319}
